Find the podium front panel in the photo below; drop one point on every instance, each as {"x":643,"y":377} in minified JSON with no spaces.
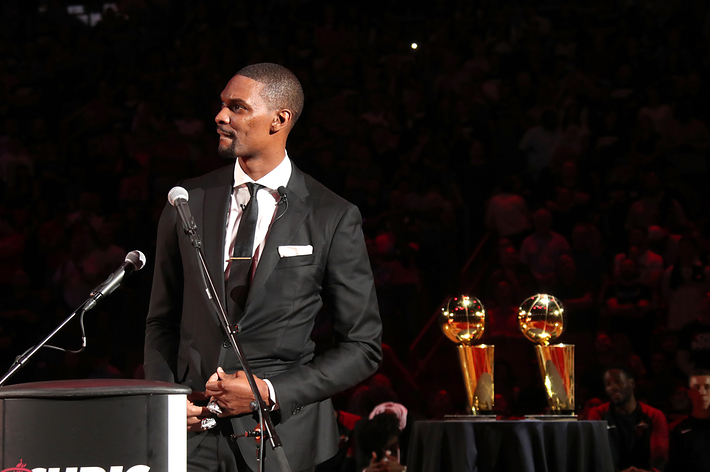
{"x":130,"y":433}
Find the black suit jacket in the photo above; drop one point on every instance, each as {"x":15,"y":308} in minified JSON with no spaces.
{"x":185,"y":342}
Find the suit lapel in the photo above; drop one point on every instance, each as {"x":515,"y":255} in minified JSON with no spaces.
{"x":281,"y":231}
{"x":214,"y":212}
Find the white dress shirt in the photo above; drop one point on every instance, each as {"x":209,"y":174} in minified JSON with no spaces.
{"x":267,"y":198}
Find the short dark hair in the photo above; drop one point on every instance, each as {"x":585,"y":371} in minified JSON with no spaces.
{"x":697,"y":372}
{"x":281,"y":87}
{"x":625,"y":368}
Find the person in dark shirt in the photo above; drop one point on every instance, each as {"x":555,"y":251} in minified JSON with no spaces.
{"x":690,"y":439}
{"x":638,"y":433}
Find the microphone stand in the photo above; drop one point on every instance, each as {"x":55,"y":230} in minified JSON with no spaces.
{"x":88,"y":304}
{"x":268,"y":430}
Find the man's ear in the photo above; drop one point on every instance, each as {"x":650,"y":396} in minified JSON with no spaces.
{"x":282,"y":121}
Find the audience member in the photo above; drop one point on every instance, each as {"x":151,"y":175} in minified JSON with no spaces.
{"x":502,"y":313}
{"x":540,"y":142}
{"x":638,"y":433}
{"x":690,"y":438}
{"x":685,"y":284}
{"x":577,"y":296}
{"x":648,"y":264}
{"x":542,"y":249}
{"x":507,"y":212}
{"x":382,"y":439}
{"x":656,"y":207}
{"x":628,"y":307}
{"x":518,"y":276}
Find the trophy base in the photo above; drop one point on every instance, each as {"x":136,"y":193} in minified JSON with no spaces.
{"x":563,"y":417}
{"x":480,"y":417}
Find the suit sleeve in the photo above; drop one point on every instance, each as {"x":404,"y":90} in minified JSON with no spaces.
{"x":162,"y":333}
{"x":349,"y":286}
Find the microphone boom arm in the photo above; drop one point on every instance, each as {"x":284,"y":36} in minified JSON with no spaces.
{"x":135,"y":259}
{"x":23,"y":358}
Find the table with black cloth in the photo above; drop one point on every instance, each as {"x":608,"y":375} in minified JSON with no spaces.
{"x":498,"y":446}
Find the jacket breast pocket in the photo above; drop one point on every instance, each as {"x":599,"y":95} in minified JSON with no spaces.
{"x":296,"y":261}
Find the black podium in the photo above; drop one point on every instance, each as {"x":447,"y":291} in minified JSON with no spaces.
{"x":93,"y":426}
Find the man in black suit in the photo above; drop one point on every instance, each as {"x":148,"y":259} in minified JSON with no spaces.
{"x":308,"y":247}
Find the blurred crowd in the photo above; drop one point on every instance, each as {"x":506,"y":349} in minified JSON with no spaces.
{"x":571,"y":134}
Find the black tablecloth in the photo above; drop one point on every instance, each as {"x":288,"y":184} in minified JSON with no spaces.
{"x":506,"y":446}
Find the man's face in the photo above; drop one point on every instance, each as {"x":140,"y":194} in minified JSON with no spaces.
{"x":700,"y":391}
{"x":244,"y":122}
{"x":618,"y":386}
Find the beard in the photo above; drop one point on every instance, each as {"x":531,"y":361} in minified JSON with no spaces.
{"x":228,"y":152}
{"x":622,"y":400}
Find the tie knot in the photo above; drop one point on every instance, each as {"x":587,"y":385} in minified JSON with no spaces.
{"x":253,"y":188}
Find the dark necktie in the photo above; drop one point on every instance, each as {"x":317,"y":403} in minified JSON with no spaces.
{"x":242,"y":255}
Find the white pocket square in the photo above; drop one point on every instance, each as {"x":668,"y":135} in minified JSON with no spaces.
{"x":290,"y":251}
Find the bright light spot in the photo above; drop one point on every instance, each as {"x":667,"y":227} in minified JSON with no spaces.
{"x":415,"y":45}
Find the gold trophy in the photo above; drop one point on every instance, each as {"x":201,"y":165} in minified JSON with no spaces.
{"x":463,"y":320}
{"x":541,"y":319}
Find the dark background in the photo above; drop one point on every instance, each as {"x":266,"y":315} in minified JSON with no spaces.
{"x":98,"y":122}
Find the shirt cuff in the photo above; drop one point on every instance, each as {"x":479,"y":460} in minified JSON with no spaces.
{"x":272,"y":395}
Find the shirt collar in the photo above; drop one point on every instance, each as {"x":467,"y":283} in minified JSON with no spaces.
{"x":278,"y":177}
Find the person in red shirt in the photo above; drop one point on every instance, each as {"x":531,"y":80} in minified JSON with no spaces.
{"x":638,"y":433}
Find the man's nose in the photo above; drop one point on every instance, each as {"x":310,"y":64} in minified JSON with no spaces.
{"x":222,"y":116}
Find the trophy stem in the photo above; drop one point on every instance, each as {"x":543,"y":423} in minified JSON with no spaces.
{"x":477,"y":368}
{"x":557,"y":370}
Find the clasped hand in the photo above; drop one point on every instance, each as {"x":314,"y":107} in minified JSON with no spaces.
{"x":389,"y":463}
{"x":231,"y":392}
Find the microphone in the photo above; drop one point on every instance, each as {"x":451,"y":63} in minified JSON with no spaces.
{"x":178,"y":198}
{"x":283,"y":199}
{"x":135,"y":260}
{"x":284,"y":196}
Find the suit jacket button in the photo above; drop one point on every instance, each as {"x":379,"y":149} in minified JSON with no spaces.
{"x":226,"y":344}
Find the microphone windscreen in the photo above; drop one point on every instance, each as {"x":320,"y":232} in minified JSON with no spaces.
{"x":177,"y":193}
{"x":136,"y":258}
